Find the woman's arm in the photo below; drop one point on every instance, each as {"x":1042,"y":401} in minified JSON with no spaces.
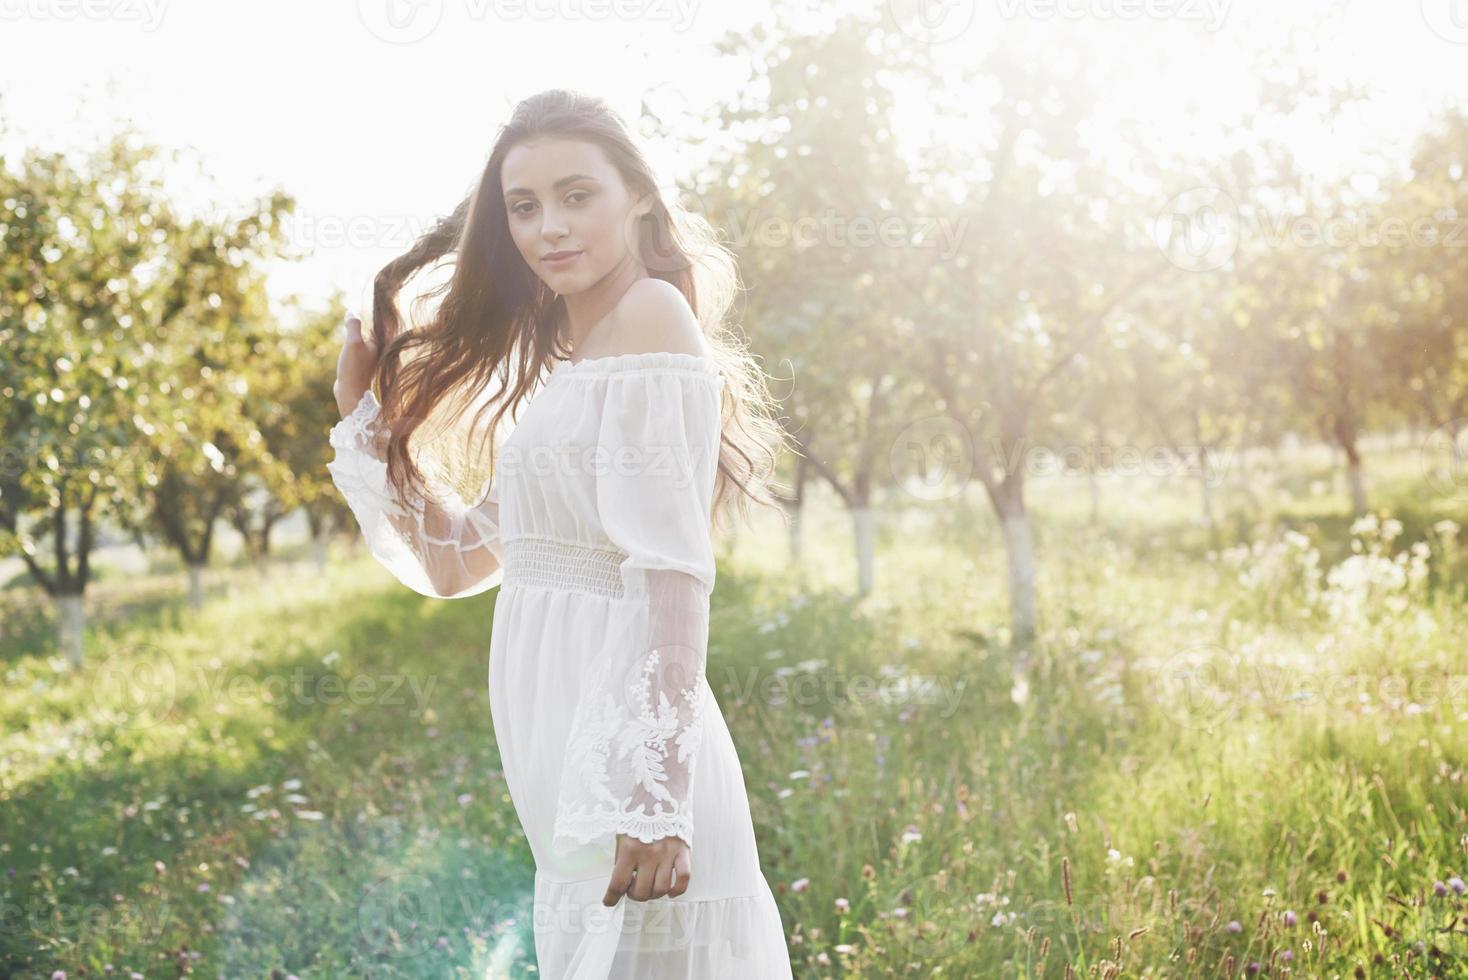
{"x":438,"y":547}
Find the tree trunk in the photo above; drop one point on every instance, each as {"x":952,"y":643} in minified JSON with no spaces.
{"x":865,"y":545}
{"x":318,"y":552}
{"x":1095,"y":488}
{"x":196,"y":586}
{"x":793,"y":531}
{"x":1021,"y":551}
{"x":71,"y":627}
{"x":1205,"y":476}
{"x":1356,"y":479}
{"x":1358,"y":487}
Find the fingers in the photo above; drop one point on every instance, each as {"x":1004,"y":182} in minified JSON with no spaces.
{"x":354,"y":332}
{"x":682,"y":868}
{"x":644,"y":884}
{"x":663,"y":883}
{"x":643,"y":874}
{"x":621,"y":878}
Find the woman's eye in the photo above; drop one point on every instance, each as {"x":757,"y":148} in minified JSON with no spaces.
{"x":517,"y":208}
{"x":584,"y":195}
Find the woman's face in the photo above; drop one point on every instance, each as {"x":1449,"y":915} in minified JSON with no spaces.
{"x":564,"y":198}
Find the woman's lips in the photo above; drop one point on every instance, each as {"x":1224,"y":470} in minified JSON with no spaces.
{"x":561,"y":258}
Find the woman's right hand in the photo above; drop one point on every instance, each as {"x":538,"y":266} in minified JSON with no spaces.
{"x":355,"y":366}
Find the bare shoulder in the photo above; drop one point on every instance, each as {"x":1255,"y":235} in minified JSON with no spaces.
{"x":653,"y":315}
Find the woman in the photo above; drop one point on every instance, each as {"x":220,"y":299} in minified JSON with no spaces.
{"x":595,"y":522}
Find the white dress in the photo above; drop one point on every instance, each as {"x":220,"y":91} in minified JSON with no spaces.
{"x":597,"y":514}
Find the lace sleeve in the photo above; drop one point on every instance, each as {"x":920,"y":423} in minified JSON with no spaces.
{"x":635,"y":740}
{"x":440,"y":547}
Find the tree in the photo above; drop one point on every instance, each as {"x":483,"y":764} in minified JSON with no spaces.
{"x":82,"y":246}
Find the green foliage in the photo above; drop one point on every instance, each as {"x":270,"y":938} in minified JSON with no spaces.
{"x":1264,"y":737}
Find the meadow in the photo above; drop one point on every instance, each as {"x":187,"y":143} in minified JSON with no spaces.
{"x":1226,"y":757}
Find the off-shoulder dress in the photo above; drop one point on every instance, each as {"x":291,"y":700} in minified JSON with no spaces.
{"x":595,"y":524}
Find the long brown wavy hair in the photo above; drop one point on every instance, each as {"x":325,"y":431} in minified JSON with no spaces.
{"x":499,"y":322}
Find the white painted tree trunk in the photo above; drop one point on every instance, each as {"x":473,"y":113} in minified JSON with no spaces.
{"x":196,"y":586}
{"x":1095,"y":487}
{"x":1357,"y":482}
{"x":865,"y":545}
{"x":1021,"y":550}
{"x":793,"y":533}
{"x":318,"y":552}
{"x":71,"y":627}
{"x":1205,"y":479}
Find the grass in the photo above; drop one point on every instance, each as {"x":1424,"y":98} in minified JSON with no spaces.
{"x":1211,"y":761}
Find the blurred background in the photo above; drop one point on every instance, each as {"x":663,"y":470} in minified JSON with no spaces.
{"x":1116,"y":628}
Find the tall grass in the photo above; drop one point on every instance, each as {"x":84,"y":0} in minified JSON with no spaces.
{"x":1217,"y":759}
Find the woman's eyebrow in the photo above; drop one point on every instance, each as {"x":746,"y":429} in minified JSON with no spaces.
{"x":571,"y":179}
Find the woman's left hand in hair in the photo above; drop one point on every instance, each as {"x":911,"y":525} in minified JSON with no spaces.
{"x":644,"y":871}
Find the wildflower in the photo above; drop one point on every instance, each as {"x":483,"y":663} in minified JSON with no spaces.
{"x":1439,"y":889}
{"x":1290,"y":918}
{"x":800,"y":884}
{"x":843,"y":906}
{"x":1456,"y":884}
{"x":911,"y":834}
{"x":1235,"y":926}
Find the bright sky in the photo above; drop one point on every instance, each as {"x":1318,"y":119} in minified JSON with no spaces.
{"x":378,"y":114}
